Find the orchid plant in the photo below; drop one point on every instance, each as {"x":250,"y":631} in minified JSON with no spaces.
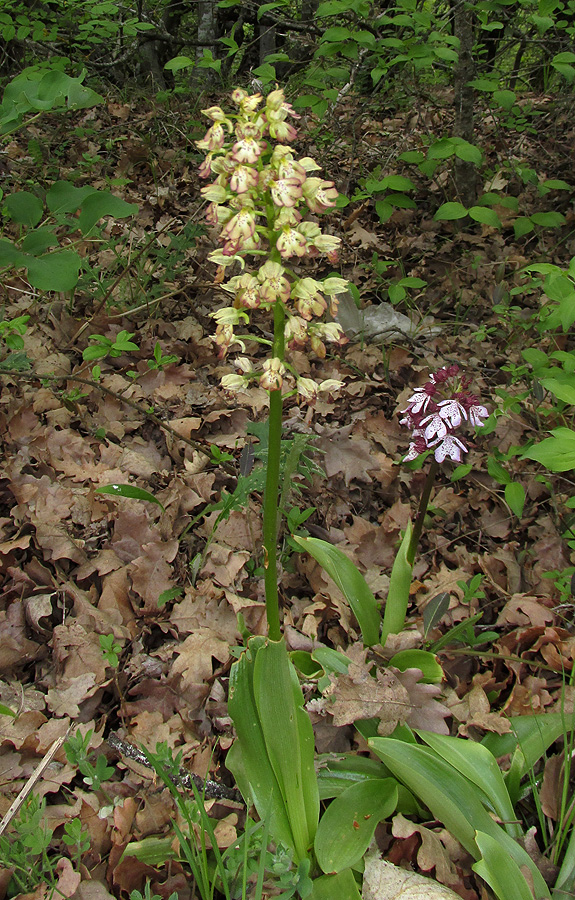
{"x":257,"y":206}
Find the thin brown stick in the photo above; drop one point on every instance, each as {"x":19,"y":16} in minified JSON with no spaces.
{"x":209,"y":789}
{"x":32,"y":781}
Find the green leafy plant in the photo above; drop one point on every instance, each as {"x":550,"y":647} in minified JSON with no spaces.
{"x":26,"y":850}
{"x":77,"y":754}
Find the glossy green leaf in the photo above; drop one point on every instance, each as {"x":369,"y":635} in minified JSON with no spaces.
{"x":399,"y":585}
{"x":449,"y":211}
{"x":180,"y":62}
{"x":468,"y":152}
{"x":476,"y":763}
{"x":347,"y":826}
{"x":335,"y":887}
{"x":556,"y":453}
{"x":499,"y":870}
{"x":248,"y":759}
{"x":451,"y":798}
{"x":485,"y":216}
{"x":505,"y":99}
{"x":129,"y":490}
{"x":336,"y":773}
{"x":101,"y":203}
{"x":24,"y":208}
{"x":515,"y":497}
{"x":426,"y":662}
{"x":289,"y":740}
{"x":57,"y":271}
{"x":350,"y":581}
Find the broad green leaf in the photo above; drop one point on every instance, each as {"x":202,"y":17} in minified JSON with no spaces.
{"x":129,"y":490}
{"x":6,"y":711}
{"x":469,"y":153}
{"x":441,"y":149}
{"x":289,"y":740}
{"x":338,"y":33}
{"x":548,"y":219}
{"x":63,"y":197}
{"x":248,"y":758}
{"x":451,"y":798}
{"x":39,"y":240}
{"x":523,"y":225}
{"x":335,"y":773}
{"x":24,"y":208}
{"x":424,"y":660}
{"x":101,"y":203}
{"x":331,"y":660}
{"x":499,"y":870}
{"x":434,"y":610}
{"x":10,"y":255}
{"x":350,"y":581}
{"x":398,"y":183}
{"x":476,"y":763}
{"x":384,"y":210}
{"x":533,"y":734}
{"x":302,"y":660}
{"x":341,"y":886}
{"x":497,"y":471}
{"x":347,"y":826}
{"x":58,"y":271}
{"x":505,"y":99}
{"x":399,"y":585}
{"x":556,"y":453}
{"x":561,"y":384}
{"x":182,"y":62}
{"x":515,"y":497}
{"x":485,"y":216}
{"x":449,"y":211}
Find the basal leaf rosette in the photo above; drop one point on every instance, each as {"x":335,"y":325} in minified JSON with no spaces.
{"x":257,"y":204}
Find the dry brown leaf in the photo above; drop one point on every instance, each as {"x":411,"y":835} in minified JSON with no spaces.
{"x":431,"y":854}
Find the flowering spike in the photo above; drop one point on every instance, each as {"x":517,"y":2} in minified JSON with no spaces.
{"x":437,"y":410}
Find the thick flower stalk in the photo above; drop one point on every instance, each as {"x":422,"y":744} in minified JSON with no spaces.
{"x":257,"y":204}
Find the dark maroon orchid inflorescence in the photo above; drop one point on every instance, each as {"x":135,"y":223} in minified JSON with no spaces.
{"x":437,"y":410}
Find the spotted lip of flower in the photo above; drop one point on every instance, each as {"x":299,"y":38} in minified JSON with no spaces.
{"x":282,"y":131}
{"x":247,"y":150}
{"x":239,"y":228}
{"x":274,"y":285}
{"x":243,"y":179}
{"x":286,"y":191}
{"x":291,"y":243}
{"x":476,"y":414}
{"x":319,"y":194}
{"x":449,"y":446}
{"x":273,"y":370}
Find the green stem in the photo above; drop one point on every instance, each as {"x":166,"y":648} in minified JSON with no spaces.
{"x":423,"y":504}
{"x":271,"y":493}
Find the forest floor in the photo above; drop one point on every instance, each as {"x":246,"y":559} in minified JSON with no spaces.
{"x":77,"y":567}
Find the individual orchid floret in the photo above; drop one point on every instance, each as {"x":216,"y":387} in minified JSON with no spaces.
{"x":249,"y":146}
{"x":241,"y":227}
{"x":225,"y":259}
{"x":229,"y":315}
{"x":291,"y":243}
{"x":309,"y":302}
{"x":243,"y":179}
{"x":332,"y":332}
{"x":286,"y":191}
{"x":213,"y":139}
{"x":216,"y":114}
{"x":438,"y":409}
{"x":276,"y":103}
{"x":307,"y":388}
{"x":274,"y":284}
{"x":296,"y":332}
{"x":450,"y":447}
{"x":282,"y":131}
{"x":246,"y":102}
{"x":319,"y":195}
{"x":272,"y":376}
{"x":247,"y":290}
{"x":236,"y":384}
{"x":215,"y":193}
{"x":309,"y":164}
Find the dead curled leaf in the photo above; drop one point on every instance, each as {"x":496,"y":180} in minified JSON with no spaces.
{"x":394,"y":697}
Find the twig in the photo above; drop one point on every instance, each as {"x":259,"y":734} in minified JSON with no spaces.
{"x":32,"y":781}
{"x":185,"y":779}
{"x":131,"y":403}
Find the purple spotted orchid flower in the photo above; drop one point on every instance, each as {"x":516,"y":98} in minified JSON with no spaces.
{"x":437,"y":410}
